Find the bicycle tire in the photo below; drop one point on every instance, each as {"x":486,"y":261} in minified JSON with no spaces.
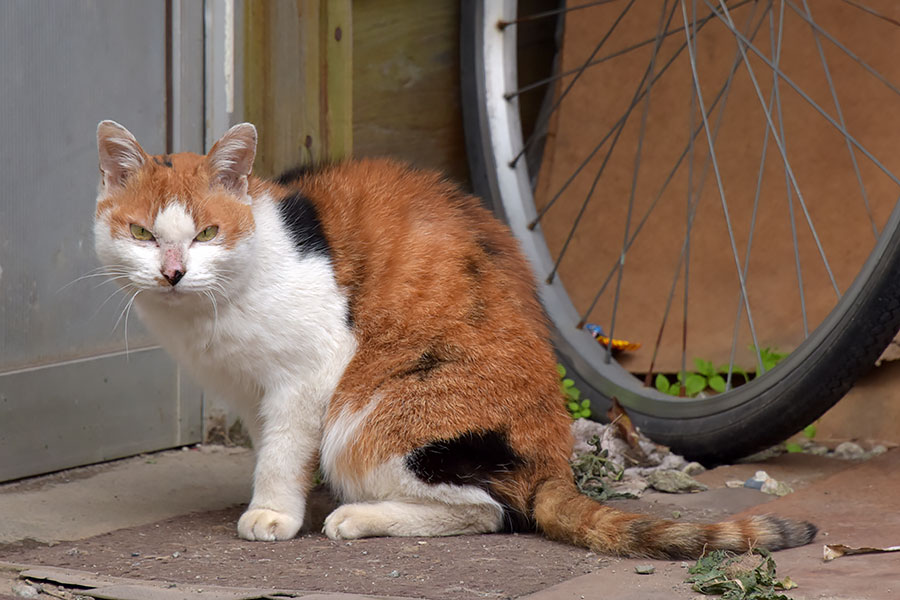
{"x":746,"y":419}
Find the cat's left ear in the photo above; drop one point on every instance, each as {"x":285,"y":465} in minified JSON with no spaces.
{"x":231,"y":159}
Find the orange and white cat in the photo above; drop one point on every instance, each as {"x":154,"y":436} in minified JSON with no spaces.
{"x":376,"y":320}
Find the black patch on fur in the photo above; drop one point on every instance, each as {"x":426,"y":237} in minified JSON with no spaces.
{"x":473,"y":458}
{"x":423,"y":366}
{"x":164,"y":161}
{"x":302,"y":221}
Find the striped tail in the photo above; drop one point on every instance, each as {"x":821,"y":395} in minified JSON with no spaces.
{"x":566,"y":515}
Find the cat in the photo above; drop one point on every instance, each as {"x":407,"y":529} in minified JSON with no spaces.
{"x":375,"y":320}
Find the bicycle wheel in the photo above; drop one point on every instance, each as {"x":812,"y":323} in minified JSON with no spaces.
{"x":739,"y":154}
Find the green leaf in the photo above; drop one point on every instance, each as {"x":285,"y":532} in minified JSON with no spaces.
{"x":561,"y":370}
{"x":704,"y":367}
{"x":573,"y":393}
{"x":793,"y":447}
{"x":573,"y":406}
{"x":661,"y":383}
{"x":717,"y":383}
{"x":695,"y":384}
{"x":585,"y":403}
{"x":567,"y":383}
{"x":810,"y":431}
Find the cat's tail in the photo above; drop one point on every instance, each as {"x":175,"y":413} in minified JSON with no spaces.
{"x":564,"y":514}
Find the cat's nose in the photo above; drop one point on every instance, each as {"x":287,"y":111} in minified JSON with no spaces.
{"x":173,"y":276}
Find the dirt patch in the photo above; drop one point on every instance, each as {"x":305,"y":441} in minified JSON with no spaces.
{"x":203,"y":548}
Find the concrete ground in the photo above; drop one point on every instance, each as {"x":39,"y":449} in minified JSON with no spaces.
{"x":853,"y":503}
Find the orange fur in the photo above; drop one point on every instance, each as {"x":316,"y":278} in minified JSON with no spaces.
{"x":188,"y":179}
{"x":432,"y":276}
{"x":449,"y":332}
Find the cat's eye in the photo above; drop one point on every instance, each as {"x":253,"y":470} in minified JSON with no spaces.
{"x":139,"y":233}
{"x":207,"y":234}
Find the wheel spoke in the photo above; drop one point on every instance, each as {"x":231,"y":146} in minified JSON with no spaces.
{"x":776,"y":52}
{"x":872,"y":12}
{"x":548,"y":80}
{"x":742,"y":44}
{"x":804,"y":95}
{"x":721,"y":95}
{"x":634,"y":176}
{"x":798,"y":267}
{"x":840,"y":115}
{"x":612,"y":130}
{"x":550,"y":13}
{"x":638,"y":94}
{"x":539,"y":126}
{"x":719,"y":184}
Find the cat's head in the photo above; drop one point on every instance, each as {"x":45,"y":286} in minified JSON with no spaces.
{"x":174,"y":225}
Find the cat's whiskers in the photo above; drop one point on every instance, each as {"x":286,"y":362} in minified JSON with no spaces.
{"x":221,"y":289}
{"x":212,"y":298}
{"x":124,"y":288}
{"x":114,"y":271}
{"x":111,"y":279}
{"x":127,"y":312}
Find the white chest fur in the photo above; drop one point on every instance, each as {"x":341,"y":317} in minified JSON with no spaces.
{"x":278,"y":322}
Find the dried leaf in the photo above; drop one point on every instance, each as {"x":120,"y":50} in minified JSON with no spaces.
{"x":833,"y":551}
{"x":625,"y":430}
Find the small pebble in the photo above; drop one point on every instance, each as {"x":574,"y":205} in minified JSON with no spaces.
{"x":674,"y":482}
{"x":23,"y":590}
{"x":135,"y":553}
{"x":693,"y":468}
{"x":176,"y":554}
{"x":849,"y":451}
{"x":877,"y":450}
{"x":775,"y":488}
{"x":645,"y":569}
{"x":394,"y":574}
{"x":754,"y":484}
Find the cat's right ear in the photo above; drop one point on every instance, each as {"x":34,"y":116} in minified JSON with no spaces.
{"x":120,"y":155}
{"x":231,"y":159}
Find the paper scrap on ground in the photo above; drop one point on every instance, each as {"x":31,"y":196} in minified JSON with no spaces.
{"x":833,"y":551}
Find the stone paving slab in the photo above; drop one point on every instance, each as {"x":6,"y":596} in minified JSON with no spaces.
{"x":117,"y":588}
{"x":79,"y":503}
{"x":857,"y":504}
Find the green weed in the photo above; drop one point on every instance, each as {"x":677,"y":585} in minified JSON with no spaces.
{"x":594,"y":473}
{"x":749,"y":576}
{"x":709,"y":377}
{"x":809,"y":432}
{"x":579,"y":408}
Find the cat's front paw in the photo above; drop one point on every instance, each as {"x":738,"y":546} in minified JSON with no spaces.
{"x":262,"y":524}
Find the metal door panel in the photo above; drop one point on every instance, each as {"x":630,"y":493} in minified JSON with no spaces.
{"x":94,"y":409}
{"x":64,"y":66}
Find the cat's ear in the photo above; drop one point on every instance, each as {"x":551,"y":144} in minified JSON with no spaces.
{"x":120,"y":154}
{"x":231,"y":159}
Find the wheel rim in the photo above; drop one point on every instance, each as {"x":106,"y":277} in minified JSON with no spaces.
{"x":513,"y":180}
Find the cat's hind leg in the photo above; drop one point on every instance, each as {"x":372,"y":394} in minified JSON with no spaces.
{"x":411,"y":518}
{"x":431,"y":491}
